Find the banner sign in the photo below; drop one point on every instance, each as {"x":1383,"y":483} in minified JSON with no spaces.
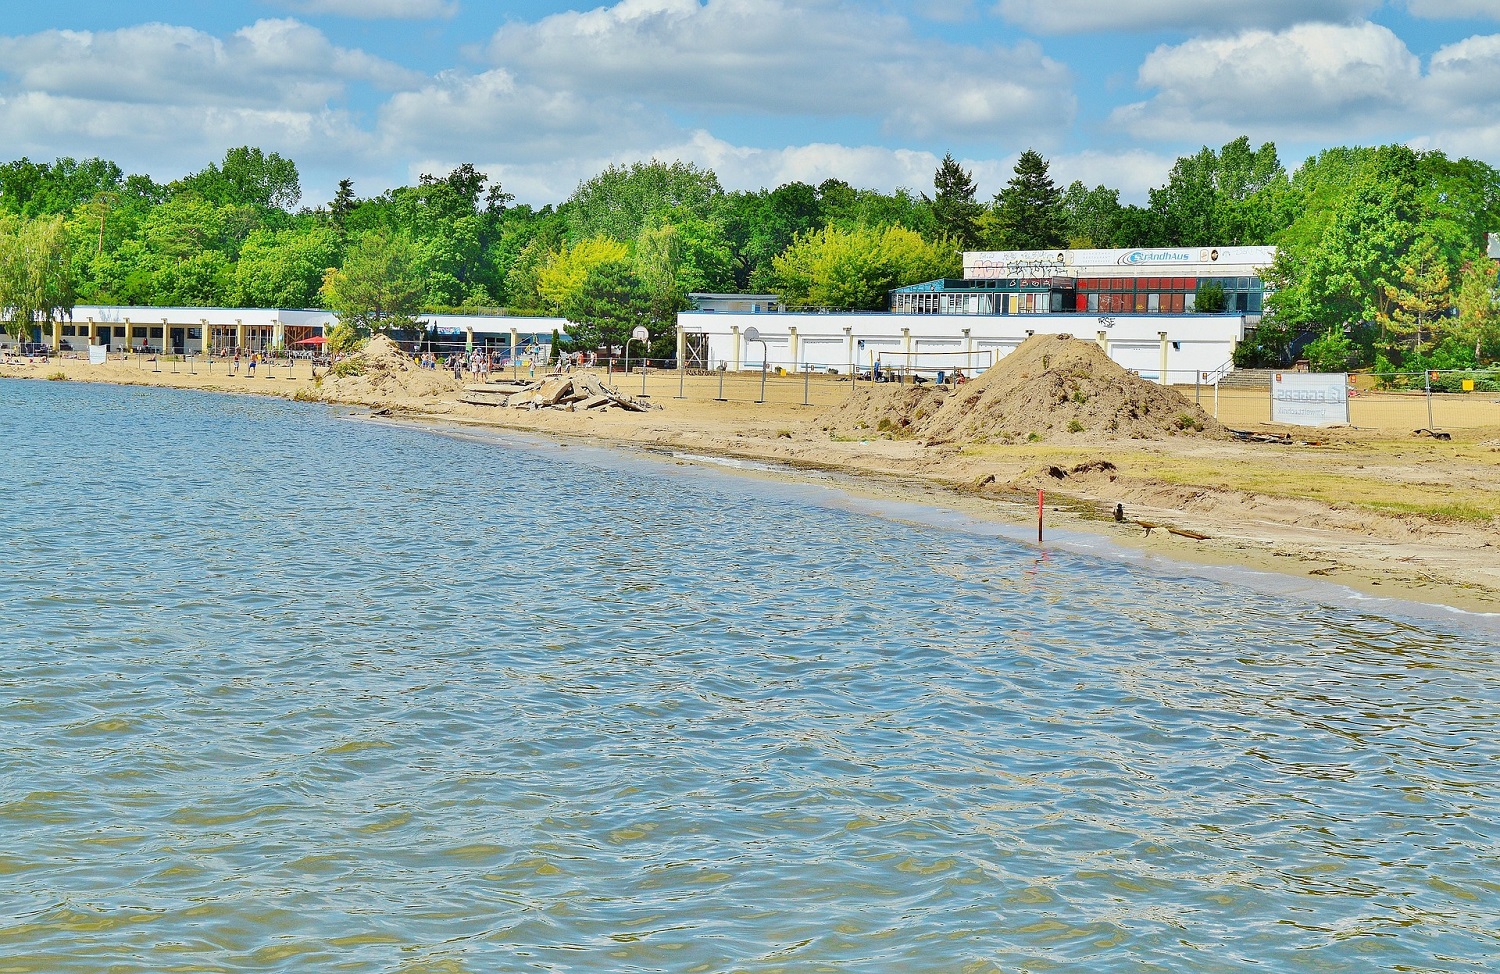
{"x":98,"y":354}
{"x":1310,"y":398}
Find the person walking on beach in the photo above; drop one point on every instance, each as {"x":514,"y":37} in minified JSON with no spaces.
{"x":250,"y":366}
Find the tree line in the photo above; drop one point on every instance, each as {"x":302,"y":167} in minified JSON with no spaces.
{"x":1380,"y":260}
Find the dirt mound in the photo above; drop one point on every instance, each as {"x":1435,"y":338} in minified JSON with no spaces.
{"x":381,"y":373}
{"x":1052,"y":386}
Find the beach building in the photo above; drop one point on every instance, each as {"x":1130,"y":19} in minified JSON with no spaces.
{"x":188,"y":331}
{"x":753,"y":303}
{"x":1139,"y":305}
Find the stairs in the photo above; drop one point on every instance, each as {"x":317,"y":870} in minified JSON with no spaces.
{"x":1256,"y":379}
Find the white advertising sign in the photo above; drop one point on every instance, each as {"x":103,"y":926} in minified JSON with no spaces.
{"x":98,"y":354}
{"x":1310,"y":398}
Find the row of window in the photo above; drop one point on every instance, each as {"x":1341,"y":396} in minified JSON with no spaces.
{"x":932,"y":303}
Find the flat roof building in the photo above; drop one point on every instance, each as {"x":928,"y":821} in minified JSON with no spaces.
{"x":1126,"y":281}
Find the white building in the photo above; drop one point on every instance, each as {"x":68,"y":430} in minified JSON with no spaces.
{"x":1186,"y":347}
{"x":194,"y":330}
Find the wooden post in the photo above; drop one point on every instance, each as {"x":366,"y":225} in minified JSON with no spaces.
{"x":1041,"y":500}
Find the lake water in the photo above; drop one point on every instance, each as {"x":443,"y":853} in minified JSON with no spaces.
{"x":283,"y":690}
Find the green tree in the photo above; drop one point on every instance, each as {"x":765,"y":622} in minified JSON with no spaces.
{"x":607,"y":306}
{"x":1331,"y":351}
{"x":247,"y":177}
{"x":36,"y":274}
{"x":759,"y":225}
{"x":856,"y":269}
{"x":284,"y":269}
{"x":1478,"y":302}
{"x":1028,"y":212}
{"x":342,"y":204}
{"x":618,"y":202}
{"x":1092,"y":216}
{"x":1419,"y":296}
{"x":955,"y":212}
{"x":379,"y":287}
{"x":565,"y":270}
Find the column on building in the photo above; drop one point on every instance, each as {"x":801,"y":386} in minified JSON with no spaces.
{"x":968,"y":353}
{"x":239,"y":333}
{"x":794,"y":348}
{"x":1163,"y":356}
{"x":681,"y":347}
{"x":906,"y":347}
{"x":735,"y":333}
{"x":849,"y":338}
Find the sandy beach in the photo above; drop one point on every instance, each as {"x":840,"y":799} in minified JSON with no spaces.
{"x":1375,"y":509}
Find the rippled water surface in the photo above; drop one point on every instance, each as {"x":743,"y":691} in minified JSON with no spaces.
{"x":282,"y":691}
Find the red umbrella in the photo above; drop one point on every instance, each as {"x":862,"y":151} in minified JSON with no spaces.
{"x":315,"y":340}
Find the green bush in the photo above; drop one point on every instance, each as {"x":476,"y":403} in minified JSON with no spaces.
{"x":347,"y":368}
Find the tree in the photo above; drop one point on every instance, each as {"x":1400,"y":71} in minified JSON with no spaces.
{"x":378,"y":288}
{"x":1028,"y":213}
{"x":565,"y":270}
{"x":1478,"y":301}
{"x":284,"y":269}
{"x":954,"y":210}
{"x":759,"y":225}
{"x":856,"y":269}
{"x":342,"y":204}
{"x":1419,"y":296}
{"x":609,"y":303}
{"x":36,"y":279}
{"x":617,"y":202}
{"x":1092,"y":216}
{"x":247,"y":177}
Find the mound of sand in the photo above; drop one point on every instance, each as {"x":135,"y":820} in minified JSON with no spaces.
{"x":1052,"y":386}
{"x":381,"y":373}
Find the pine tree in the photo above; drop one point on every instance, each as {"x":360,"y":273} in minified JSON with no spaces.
{"x":1420,"y":296}
{"x":343,"y":203}
{"x":1028,"y":212}
{"x":954,"y":210}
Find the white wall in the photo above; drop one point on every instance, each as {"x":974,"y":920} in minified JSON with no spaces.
{"x":1203,"y":343}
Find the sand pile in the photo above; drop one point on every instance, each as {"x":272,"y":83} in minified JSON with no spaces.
{"x":381,"y":373}
{"x":1052,"y":386}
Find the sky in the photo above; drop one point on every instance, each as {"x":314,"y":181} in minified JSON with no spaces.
{"x":542,"y":95}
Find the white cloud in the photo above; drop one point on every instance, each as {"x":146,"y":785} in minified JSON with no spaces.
{"x":1089,"y":16}
{"x":1132,"y":171}
{"x":1454,"y":9}
{"x":1313,"y":80}
{"x":774,"y":57}
{"x":376,"y":9}
{"x":460,"y":116}
{"x":281,"y":64}
{"x":166,"y":99}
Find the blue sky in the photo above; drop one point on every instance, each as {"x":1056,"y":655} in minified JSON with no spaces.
{"x":541,"y":95}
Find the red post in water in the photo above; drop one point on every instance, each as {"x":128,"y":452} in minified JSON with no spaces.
{"x":1040,"y":500}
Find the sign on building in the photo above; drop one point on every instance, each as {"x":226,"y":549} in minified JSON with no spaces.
{"x":1310,"y":398}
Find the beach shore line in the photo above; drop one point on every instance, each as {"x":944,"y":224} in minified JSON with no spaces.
{"x":1356,"y":517}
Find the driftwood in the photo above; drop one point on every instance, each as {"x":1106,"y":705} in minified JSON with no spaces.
{"x":1180,"y":532}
